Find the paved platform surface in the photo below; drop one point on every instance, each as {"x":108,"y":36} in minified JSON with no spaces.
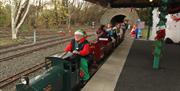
{"x":138,"y":75}
{"x":107,"y":76}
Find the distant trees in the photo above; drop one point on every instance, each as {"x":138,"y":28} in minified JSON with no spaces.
{"x":19,"y":10}
{"x":4,"y":15}
{"x":47,"y":14}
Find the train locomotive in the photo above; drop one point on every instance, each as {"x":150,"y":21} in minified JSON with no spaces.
{"x":62,"y":71}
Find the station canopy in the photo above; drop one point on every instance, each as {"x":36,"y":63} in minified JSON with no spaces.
{"x":173,"y":5}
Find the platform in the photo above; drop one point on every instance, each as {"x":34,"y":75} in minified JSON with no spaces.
{"x":129,"y":68}
{"x":138,"y":75}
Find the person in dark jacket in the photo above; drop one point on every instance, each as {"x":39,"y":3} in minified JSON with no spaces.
{"x":111,"y":32}
{"x":101,"y":32}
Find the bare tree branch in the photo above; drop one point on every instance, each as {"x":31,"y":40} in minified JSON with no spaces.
{"x":27,"y":9}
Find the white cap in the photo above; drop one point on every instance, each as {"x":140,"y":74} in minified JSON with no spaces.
{"x":79,"y":33}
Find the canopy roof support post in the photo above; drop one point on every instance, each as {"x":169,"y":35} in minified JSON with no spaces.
{"x":149,"y":21}
{"x":160,"y":33}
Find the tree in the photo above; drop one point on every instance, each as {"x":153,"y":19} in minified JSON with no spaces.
{"x":4,"y":15}
{"x":46,"y":14}
{"x":71,"y":9}
{"x":19,"y":10}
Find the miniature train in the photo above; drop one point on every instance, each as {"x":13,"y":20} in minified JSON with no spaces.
{"x":62,"y":71}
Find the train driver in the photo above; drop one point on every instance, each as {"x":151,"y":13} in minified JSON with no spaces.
{"x":79,"y":45}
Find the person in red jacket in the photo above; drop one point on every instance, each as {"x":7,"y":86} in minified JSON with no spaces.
{"x":79,"y":45}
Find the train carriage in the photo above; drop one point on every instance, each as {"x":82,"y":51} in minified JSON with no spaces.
{"x":62,"y":71}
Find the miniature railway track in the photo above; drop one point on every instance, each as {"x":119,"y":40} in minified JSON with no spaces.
{"x":25,"y":42}
{"x":8,"y":34}
{"x":7,"y":81}
{"x":49,"y":44}
{"x":41,"y":40}
{"x":32,"y":45}
{"x":54,"y":42}
{"x":17,"y":76}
